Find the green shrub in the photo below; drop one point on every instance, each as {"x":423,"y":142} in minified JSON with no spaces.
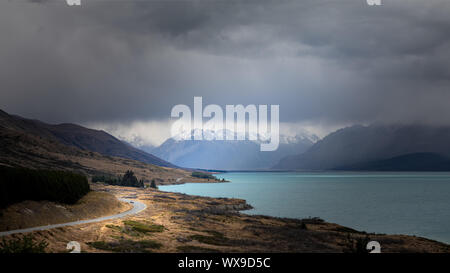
{"x":153,"y":184}
{"x":126,"y":246}
{"x":22,"y":245}
{"x":114,"y":227}
{"x":357,"y":245}
{"x":19,"y":184}
{"x":203,"y":175}
{"x":106,"y":179}
{"x":216,"y":238}
{"x":128,"y":180}
{"x":143,"y":227}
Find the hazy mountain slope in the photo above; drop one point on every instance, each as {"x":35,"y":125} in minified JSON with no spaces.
{"x":80,"y":137}
{"x":21,"y":149}
{"x":409,"y":162}
{"x":226,"y":155}
{"x":360,"y":144}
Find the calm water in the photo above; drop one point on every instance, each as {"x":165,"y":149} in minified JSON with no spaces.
{"x":394,"y":203}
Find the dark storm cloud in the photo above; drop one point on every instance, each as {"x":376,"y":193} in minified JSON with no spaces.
{"x":325,"y":60}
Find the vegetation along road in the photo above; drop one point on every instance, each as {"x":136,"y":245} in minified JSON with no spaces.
{"x":137,"y":207}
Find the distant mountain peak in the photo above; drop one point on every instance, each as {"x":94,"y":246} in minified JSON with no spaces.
{"x":211,"y":135}
{"x":226,"y":155}
{"x":299,"y":137}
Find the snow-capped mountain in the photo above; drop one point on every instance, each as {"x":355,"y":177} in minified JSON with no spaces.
{"x":228,"y":154}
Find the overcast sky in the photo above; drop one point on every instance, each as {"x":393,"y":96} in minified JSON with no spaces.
{"x":327,"y":63}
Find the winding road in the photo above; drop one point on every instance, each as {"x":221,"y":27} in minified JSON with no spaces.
{"x":137,"y":207}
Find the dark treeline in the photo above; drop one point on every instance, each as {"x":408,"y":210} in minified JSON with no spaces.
{"x":153,"y":184}
{"x":107,"y":179}
{"x":203,"y":175}
{"x":128,"y":180}
{"x":20,"y":184}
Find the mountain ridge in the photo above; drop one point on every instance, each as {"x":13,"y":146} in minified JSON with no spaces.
{"x":81,"y":137}
{"x":358,"y":144}
{"x":39,"y":149}
{"x":234,"y":155}
{"x":429,"y":162}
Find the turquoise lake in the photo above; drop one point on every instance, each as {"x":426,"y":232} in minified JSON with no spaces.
{"x":393,"y":203}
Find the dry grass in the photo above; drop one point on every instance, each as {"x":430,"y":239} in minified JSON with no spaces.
{"x":195,"y":224}
{"x":34,"y":213}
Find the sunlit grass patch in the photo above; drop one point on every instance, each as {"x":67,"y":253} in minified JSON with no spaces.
{"x":216,"y":238}
{"x":126,"y":246}
{"x":143,"y":227}
{"x":126,"y":230}
{"x":114,"y":227}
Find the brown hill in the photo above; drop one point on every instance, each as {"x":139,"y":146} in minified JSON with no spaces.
{"x":29,"y":143}
{"x":80,"y":137}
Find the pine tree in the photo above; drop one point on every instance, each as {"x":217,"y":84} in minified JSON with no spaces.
{"x":130,"y":180}
{"x":153,"y":184}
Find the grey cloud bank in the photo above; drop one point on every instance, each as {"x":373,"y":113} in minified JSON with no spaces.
{"x":333,"y":62}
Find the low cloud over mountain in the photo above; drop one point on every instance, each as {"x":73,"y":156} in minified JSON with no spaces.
{"x":360,"y":147}
{"x":229,"y":155}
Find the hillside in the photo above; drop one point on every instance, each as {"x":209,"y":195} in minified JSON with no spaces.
{"x":361,"y":144}
{"x":411,"y":162}
{"x":19,"y":149}
{"x":80,"y":137}
{"x":27,"y":143}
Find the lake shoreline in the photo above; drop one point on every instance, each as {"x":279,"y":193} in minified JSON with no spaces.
{"x":333,"y":196}
{"x":187,"y":223}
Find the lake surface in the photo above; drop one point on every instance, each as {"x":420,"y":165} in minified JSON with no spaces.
{"x":393,"y":203}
